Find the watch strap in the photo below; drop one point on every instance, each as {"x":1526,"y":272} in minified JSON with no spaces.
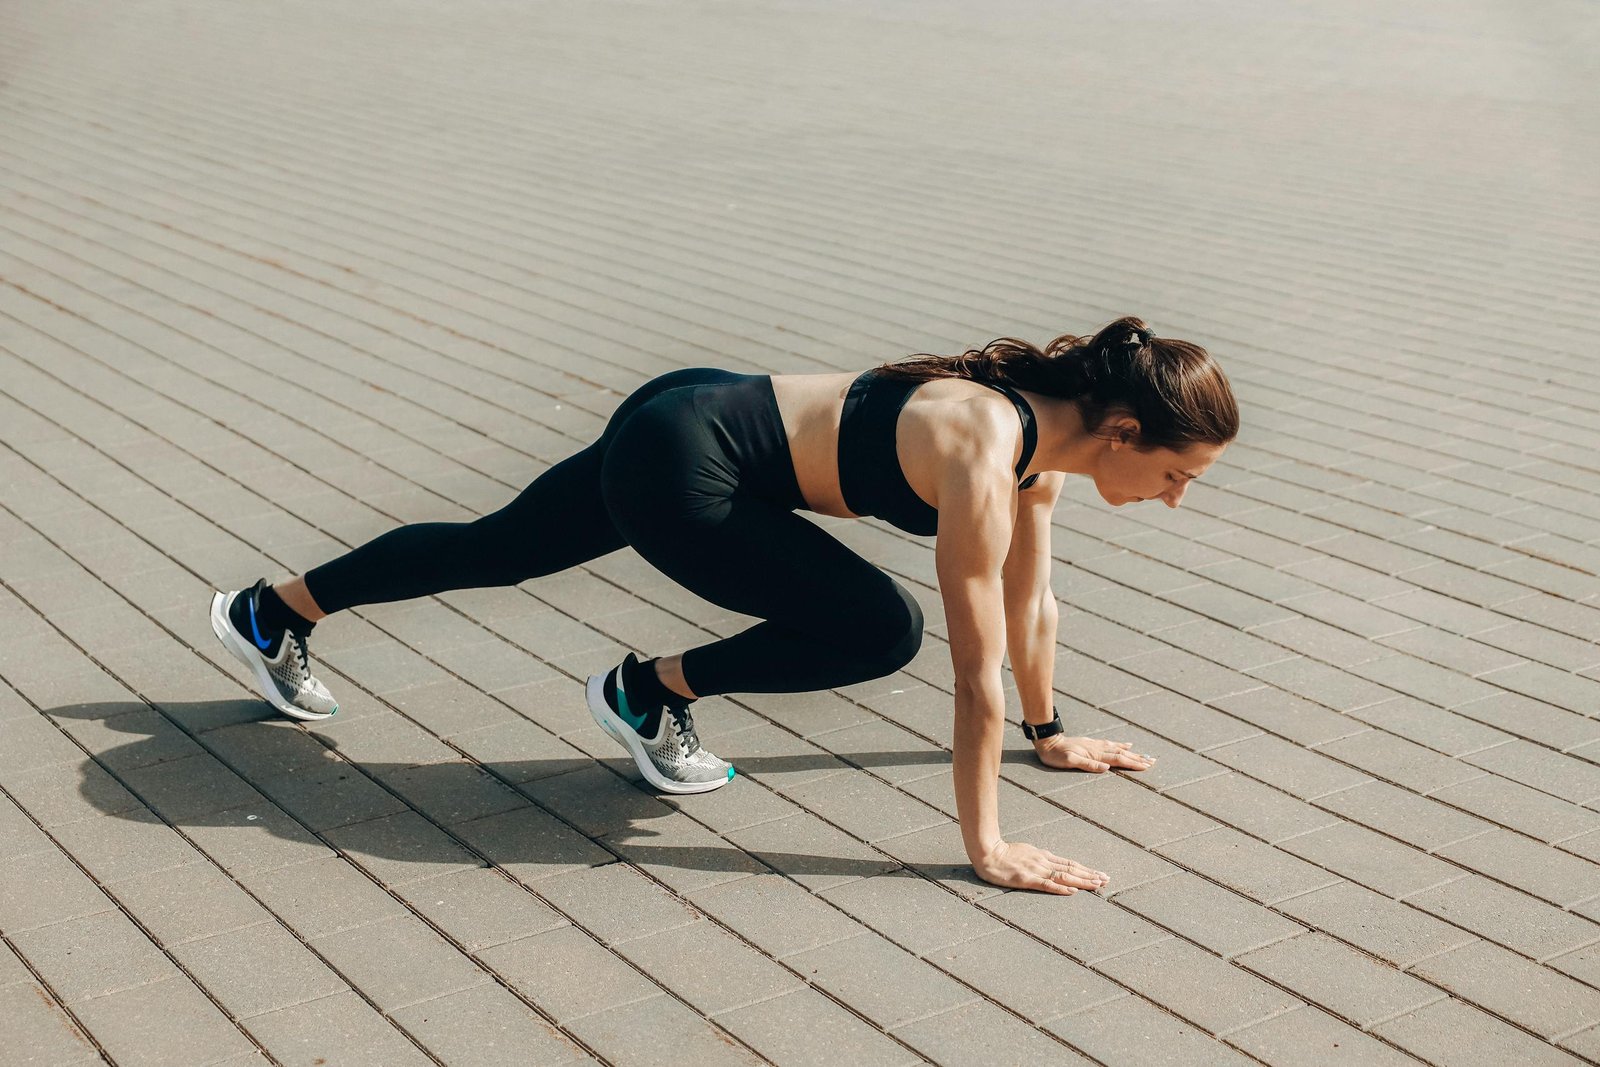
{"x":1049,"y":729}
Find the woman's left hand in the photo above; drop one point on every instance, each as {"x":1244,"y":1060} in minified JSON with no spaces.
{"x":1089,"y":754}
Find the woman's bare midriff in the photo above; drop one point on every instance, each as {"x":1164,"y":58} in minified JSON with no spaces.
{"x":811,"y":405}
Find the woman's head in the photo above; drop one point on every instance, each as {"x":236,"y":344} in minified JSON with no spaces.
{"x":1162,"y":406}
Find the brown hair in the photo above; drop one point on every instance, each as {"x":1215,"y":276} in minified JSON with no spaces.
{"x":1174,"y":388}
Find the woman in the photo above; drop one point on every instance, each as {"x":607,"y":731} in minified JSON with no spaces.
{"x":701,"y":470}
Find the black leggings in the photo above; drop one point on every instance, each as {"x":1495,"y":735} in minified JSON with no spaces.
{"x":693,"y":470}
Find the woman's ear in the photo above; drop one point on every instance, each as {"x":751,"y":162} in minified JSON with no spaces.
{"x":1124,"y":431}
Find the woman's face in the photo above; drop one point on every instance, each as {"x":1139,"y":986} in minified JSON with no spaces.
{"x":1126,"y":475}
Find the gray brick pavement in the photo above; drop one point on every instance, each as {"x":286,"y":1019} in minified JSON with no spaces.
{"x":272,"y":282}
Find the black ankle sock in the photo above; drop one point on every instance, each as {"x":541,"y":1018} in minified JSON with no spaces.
{"x":272,"y":612}
{"x":646,"y":691}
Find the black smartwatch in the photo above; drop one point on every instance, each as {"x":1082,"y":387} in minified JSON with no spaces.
{"x":1049,"y":729}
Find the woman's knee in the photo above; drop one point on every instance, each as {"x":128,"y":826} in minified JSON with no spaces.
{"x":898,"y":639}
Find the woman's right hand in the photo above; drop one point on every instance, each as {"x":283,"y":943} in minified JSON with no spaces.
{"x":1018,"y":866}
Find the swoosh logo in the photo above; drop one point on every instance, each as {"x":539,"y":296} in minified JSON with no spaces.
{"x":254,"y":629}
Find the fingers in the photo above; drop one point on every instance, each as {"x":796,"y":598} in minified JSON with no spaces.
{"x":1050,"y":884}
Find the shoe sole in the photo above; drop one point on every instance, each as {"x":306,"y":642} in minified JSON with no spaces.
{"x":258,"y":666}
{"x":623,"y":735}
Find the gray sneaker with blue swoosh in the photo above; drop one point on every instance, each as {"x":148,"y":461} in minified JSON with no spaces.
{"x":673,"y":760}
{"x":278,"y":661}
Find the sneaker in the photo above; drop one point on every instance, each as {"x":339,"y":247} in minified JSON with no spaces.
{"x":673,"y":760}
{"x":280,"y":665}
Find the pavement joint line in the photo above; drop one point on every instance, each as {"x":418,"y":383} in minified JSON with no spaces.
{"x":34,"y":976}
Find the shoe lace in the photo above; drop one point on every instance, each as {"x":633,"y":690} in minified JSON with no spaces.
{"x":685,"y":726}
{"x":301,"y":654}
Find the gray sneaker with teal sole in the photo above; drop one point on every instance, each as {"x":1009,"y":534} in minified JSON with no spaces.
{"x":673,"y":760}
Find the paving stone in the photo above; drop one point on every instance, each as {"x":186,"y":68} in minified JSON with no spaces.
{"x":115,"y":847}
{"x":1248,"y":805}
{"x":518,"y":751}
{"x":330,"y":795}
{"x":46,"y":887}
{"x":55,"y":799}
{"x":972,"y":1032}
{"x":183,"y":904}
{"x":399,"y":961}
{"x":683,"y":855}
{"x":1449,"y":732}
{"x":1392,"y":868}
{"x":281,"y":970}
{"x":884,"y":983}
{"x":1528,"y":865}
{"x":161,"y":1023}
{"x":1520,"y":807}
{"x":402,"y":848}
{"x":774,"y":914}
{"x":568,"y":974}
{"x":864,"y":807}
{"x":616,"y":903}
{"x":679,"y":1036}
{"x":1258,"y":870}
{"x":1506,"y":916}
{"x":530,"y":845}
{"x":1385,"y":928}
{"x":92,"y":956}
{"x":726,"y":810}
{"x":1550,"y":772}
{"x":1207,"y":914}
{"x":913,"y":912}
{"x":806,"y":1029}
{"x":1455,"y":1034}
{"x":343,"y":1024}
{"x":255,"y":839}
{"x":1397,"y":760}
{"x":487,"y":1025}
{"x":324,"y":896}
{"x":35,"y":1031}
{"x":1307,"y":1037}
{"x":1339,"y":978}
{"x":1013,"y":969}
{"x":136,"y":738}
{"x":1182,"y":719}
{"x":1420,"y":821}
{"x":1197,"y":986}
{"x":811,"y":852}
{"x":450,"y":792}
{"x":1132,"y":1030}
{"x":1289,"y":716}
{"x":711,"y":970}
{"x":1514,"y":988}
{"x":889,"y":752}
{"x":383,"y":742}
{"x":185,"y":790}
{"x":596,"y":801}
{"x":1133,"y":811}
{"x":480,"y":908}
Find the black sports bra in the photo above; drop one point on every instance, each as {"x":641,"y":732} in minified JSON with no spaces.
{"x":870,"y":477}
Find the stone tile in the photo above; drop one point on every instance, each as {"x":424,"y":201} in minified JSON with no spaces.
{"x":162,"y":1023}
{"x":1521,"y":808}
{"x":480,"y":908}
{"x":679,"y":1036}
{"x":774,"y":914}
{"x":1207,"y":914}
{"x":597,"y":801}
{"x":302,"y":1035}
{"x":1385,"y":928}
{"x":1013,"y":969}
{"x":329,"y":795}
{"x":1383,"y":755}
{"x":399,"y":961}
{"x":683,"y":855}
{"x":806,"y":1029}
{"x":1298,"y":771}
{"x":529,"y":845}
{"x":93,"y":956}
{"x":188,"y":903}
{"x":1392,"y":868}
{"x":615,"y":903}
{"x":185,"y":790}
{"x":972,"y":1033}
{"x":281,"y":971}
{"x":708,"y":968}
{"x":453,"y":791}
{"x":115,"y":847}
{"x":1420,"y":821}
{"x":1507,"y":917}
{"x":1307,"y":1037}
{"x":487,"y":1025}
{"x":516,"y":750}
{"x":56,"y":799}
{"x":811,"y":852}
{"x":1252,"y":807}
{"x":35,"y":1032}
{"x":885,"y":984}
{"x":43,"y":888}
{"x":568,"y":975}
{"x":1513,"y":987}
{"x":255,"y":839}
{"x":911,"y":911}
{"x":1197,"y":986}
{"x":1132,"y":1030}
{"x":1340,"y":979}
{"x":864,"y":807}
{"x":1529,"y":865}
{"x":402,"y":848}
{"x":1258,"y":870}
{"x":1456,"y":1034}
{"x":324,"y":896}
{"x":1130,"y":810}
